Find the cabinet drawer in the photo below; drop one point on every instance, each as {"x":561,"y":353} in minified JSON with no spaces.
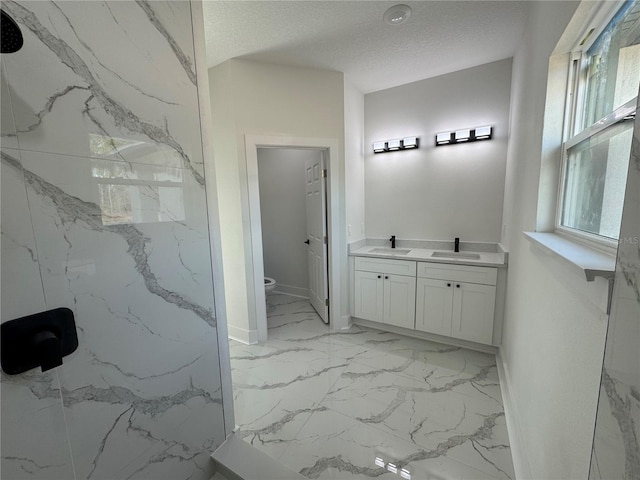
{"x":384,"y":265}
{"x":458,"y":273}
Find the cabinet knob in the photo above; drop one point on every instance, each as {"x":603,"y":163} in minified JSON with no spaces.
{"x":379,"y":276}
{"x":448,"y":284}
{"x":458,"y":286}
{"x":386,"y":278}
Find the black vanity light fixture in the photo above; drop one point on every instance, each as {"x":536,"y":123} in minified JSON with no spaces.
{"x":397,"y":144}
{"x":464,"y":136}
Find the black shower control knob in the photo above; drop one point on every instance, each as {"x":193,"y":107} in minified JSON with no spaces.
{"x":48,"y":349}
{"x":39,"y":340}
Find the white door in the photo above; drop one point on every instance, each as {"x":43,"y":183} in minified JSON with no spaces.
{"x":315,"y":177}
{"x":400,"y":301}
{"x":473,"y":307}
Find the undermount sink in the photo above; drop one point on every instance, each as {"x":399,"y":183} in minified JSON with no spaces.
{"x":458,"y":255}
{"x":390,"y":251}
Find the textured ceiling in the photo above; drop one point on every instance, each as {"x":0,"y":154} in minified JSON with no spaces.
{"x":351,"y":37}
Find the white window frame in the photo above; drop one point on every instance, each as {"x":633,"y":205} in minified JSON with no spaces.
{"x":577,"y":85}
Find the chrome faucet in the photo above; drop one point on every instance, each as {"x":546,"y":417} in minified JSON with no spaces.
{"x":393,"y":241}
{"x":456,"y":245}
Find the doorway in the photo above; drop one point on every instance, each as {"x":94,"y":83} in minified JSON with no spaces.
{"x":292,"y":188}
{"x":334,"y":233}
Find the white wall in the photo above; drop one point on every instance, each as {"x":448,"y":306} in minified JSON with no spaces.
{"x":354,"y":160}
{"x":553,"y":335}
{"x":284,"y":216}
{"x":444,"y":192}
{"x":254,"y":98}
{"x":229,"y":202}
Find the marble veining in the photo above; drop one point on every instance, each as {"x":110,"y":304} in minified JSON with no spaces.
{"x":186,"y":63}
{"x":333,"y":403}
{"x":97,"y":100}
{"x":276,"y":426}
{"x":629,"y":266}
{"x":104,"y":212}
{"x":8,"y":133}
{"x":22,"y":457}
{"x":74,"y":210}
{"x":116,"y":395}
{"x":338,"y":463}
{"x":616,"y":447}
{"x":621,"y":407}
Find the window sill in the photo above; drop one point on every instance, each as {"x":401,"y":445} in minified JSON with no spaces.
{"x":592,"y":263}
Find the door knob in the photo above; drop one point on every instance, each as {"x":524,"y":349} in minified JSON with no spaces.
{"x":307,"y":241}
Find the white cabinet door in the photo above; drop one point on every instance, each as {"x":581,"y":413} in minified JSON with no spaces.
{"x":434,"y":306}
{"x":369,"y":295}
{"x":473,"y":307}
{"x":400,"y":301}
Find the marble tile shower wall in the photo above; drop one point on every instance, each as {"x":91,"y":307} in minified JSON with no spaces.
{"x":616,"y":448}
{"x":104,"y":212}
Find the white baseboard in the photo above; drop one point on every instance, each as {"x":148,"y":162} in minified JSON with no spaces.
{"x":426,"y":336}
{"x":248,"y":337}
{"x":519,"y":451}
{"x":344,"y":325}
{"x":291,"y":290}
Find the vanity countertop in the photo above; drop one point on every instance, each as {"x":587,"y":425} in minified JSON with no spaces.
{"x":486,"y":259}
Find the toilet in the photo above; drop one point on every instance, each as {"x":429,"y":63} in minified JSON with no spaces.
{"x":269,"y":284}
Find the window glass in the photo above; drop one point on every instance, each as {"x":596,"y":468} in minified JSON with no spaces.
{"x":613,"y":65}
{"x":595,"y":179}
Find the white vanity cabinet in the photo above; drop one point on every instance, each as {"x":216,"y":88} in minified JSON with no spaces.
{"x":385,"y":291}
{"x":456,"y":301}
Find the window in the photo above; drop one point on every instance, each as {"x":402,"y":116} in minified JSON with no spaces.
{"x":605,"y":77}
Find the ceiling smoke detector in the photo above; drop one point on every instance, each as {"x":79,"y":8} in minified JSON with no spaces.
{"x":397,"y":14}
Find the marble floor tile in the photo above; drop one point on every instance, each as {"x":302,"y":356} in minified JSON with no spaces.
{"x":269,"y":420}
{"x":334,"y":446}
{"x":329,"y":404}
{"x":423,"y":415}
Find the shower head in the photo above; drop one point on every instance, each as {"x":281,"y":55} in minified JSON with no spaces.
{"x":10,"y":35}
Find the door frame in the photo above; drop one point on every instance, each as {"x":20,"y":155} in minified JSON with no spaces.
{"x":256,"y":265}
